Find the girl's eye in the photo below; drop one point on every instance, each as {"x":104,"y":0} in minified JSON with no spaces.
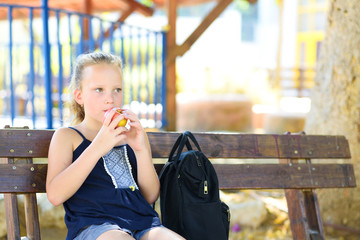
{"x":99,"y":90}
{"x":118,"y":90}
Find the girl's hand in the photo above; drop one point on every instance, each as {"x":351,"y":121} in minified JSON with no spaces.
{"x":135,"y":136}
{"x":110,"y":135}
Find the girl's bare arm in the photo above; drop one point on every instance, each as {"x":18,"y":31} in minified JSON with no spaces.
{"x":147,"y":177}
{"x":64,"y":178}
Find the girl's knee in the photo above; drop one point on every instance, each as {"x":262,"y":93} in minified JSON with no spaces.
{"x":161,"y":233}
{"x":115,"y":235}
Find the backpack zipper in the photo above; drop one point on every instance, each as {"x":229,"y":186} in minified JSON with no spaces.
{"x":198,"y":160}
{"x":206,"y":187}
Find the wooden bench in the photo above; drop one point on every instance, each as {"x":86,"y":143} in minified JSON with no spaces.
{"x":294,"y":172}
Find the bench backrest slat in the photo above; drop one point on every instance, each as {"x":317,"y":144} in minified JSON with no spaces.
{"x":278,"y":176}
{"x":24,"y":143}
{"x":17,"y":178}
{"x":35,"y":143}
{"x":258,"y":145}
{"x":22,"y":177}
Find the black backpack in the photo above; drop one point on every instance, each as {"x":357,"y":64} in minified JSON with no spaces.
{"x":189,"y":194}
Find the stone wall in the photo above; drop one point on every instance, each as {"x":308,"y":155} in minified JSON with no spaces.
{"x":281,"y":122}
{"x":335,"y":107}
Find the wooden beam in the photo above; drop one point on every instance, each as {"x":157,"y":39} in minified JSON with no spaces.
{"x":207,"y":21}
{"x":140,"y":8}
{"x":133,"y":6}
{"x":123,"y":17}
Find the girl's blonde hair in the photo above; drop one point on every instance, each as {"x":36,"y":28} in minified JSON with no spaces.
{"x":83,"y":61}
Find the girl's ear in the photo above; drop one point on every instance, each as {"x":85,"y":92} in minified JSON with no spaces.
{"x":78,"y":96}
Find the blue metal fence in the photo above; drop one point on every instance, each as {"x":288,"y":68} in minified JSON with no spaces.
{"x":36,"y":56}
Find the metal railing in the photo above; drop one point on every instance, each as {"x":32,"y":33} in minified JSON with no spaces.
{"x":36,"y":56}
{"x":293,"y":82}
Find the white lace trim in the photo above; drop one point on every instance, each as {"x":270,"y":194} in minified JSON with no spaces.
{"x":108,"y":172}
{"x":129,"y":166}
{"x":126,"y":161}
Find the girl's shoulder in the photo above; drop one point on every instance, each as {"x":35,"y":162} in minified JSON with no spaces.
{"x":65,"y":132}
{"x":69,"y":135}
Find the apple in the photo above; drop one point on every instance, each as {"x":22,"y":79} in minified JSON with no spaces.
{"x":122,"y":122}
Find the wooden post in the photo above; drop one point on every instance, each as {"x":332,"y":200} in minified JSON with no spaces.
{"x":11,"y":210}
{"x":31,"y":212}
{"x":171,"y":68}
{"x":12,"y":216}
{"x":303,"y":210}
{"x":278,"y":74}
{"x":87,"y":9}
{"x":30,"y":206}
{"x":297,"y":214}
{"x":313,"y":215}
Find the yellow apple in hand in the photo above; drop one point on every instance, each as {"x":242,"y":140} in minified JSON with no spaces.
{"x":122,"y":122}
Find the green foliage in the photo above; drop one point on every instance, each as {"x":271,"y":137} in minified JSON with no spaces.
{"x":245,"y":8}
{"x":147,"y":3}
{"x":242,"y":5}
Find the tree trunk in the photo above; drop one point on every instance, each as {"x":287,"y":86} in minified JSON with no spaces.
{"x":336,"y":104}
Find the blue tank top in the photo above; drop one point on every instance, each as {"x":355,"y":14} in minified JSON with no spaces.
{"x":109,"y":194}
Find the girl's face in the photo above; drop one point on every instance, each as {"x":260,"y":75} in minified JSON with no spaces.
{"x":101,"y":89}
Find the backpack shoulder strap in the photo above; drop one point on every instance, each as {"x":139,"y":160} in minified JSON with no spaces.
{"x":164,"y":168}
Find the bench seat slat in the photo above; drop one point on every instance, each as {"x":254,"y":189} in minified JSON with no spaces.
{"x":25,"y":143}
{"x":231,"y":176}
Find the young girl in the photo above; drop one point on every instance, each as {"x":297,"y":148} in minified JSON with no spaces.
{"x":103,"y":174}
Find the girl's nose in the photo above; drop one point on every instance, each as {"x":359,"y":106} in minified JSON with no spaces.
{"x":109,"y":98}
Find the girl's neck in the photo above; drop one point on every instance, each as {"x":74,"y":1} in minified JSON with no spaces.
{"x":89,"y":130}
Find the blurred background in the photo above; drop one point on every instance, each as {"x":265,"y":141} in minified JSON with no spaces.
{"x":251,"y":70}
{"x":238,"y":66}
